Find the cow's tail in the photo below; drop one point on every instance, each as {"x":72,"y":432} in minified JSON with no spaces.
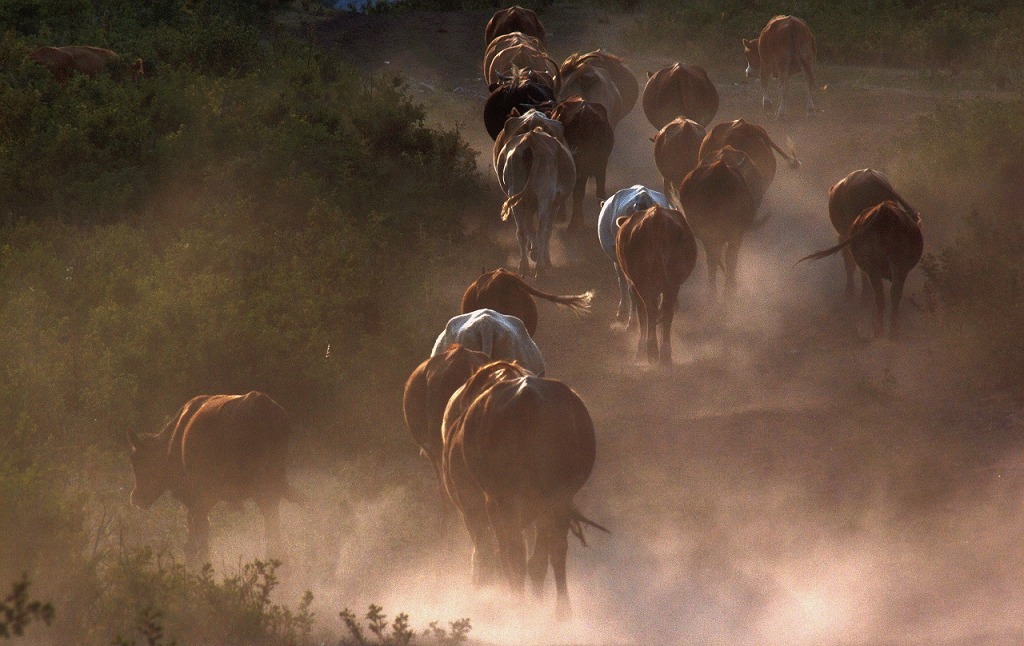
{"x":789,"y":156}
{"x":577,"y":521}
{"x":513,"y":201}
{"x":825,"y":253}
{"x":576,"y":302}
{"x":914,"y":213}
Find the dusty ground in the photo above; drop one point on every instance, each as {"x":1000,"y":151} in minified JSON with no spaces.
{"x":790,"y":481}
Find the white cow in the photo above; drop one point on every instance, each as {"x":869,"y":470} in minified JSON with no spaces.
{"x":538,"y":174}
{"x":499,"y":335}
{"x":516,"y":126}
{"x":625,"y":202}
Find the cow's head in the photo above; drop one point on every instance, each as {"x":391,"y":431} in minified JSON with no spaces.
{"x":751,"y":53}
{"x":149,"y":464}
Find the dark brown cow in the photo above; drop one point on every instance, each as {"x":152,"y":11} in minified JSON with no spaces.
{"x":848,"y":198}
{"x":785,"y":46}
{"x":680,"y":91}
{"x":602,"y":78}
{"x":519,"y":93}
{"x":503,"y":291}
{"x":217,"y":448}
{"x":590,"y":138}
{"x":427,"y":392}
{"x":677,"y":151}
{"x":657,"y":252}
{"x":520,"y":447}
{"x":506,"y":21}
{"x":721,"y":207}
{"x":63,"y":61}
{"x":752,"y":140}
{"x":887,"y":243}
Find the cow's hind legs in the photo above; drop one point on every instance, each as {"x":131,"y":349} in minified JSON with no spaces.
{"x":197,"y":548}
{"x":272,"y":526}
{"x":879,"y":313}
{"x":895,"y":294}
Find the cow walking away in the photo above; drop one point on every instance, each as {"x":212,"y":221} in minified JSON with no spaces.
{"x":602,"y":78}
{"x":755,"y":142}
{"x":785,"y":46}
{"x":657,"y":253}
{"x":506,"y":21}
{"x":512,"y":95}
{"x":503,"y":291}
{"x":427,"y":392}
{"x":680,"y":91}
{"x":848,"y":198}
{"x":517,"y":125}
{"x":217,"y":448}
{"x":497,"y":335}
{"x":517,"y":449}
{"x":886,"y":243}
{"x":590,"y":138}
{"x":677,"y":151}
{"x":624,"y":202}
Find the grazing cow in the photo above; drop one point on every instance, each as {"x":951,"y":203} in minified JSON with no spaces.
{"x":677,"y":151}
{"x":625,"y":82}
{"x":508,"y":40}
{"x":427,"y":392}
{"x":624,"y":202}
{"x":497,"y":335}
{"x":502,"y":291}
{"x":217,"y":447}
{"x":511,"y":59}
{"x":752,"y":140}
{"x":785,"y":46}
{"x":848,"y":198}
{"x":519,"y":92}
{"x":721,"y":206}
{"x":887,"y":243}
{"x":657,"y":252}
{"x":517,"y":125}
{"x":506,"y":21}
{"x":63,"y":61}
{"x":590,"y":138}
{"x":517,"y":450}
{"x":680,"y":91}
{"x":591,"y":77}
{"x":538,"y":174}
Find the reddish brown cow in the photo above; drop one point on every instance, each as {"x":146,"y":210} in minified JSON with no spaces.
{"x":785,"y":46}
{"x":625,"y":82}
{"x":887,"y":243}
{"x":657,"y":252}
{"x":752,"y":140}
{"x":521,"y":447}
{"x":590,"y":138}
{"x":63,"y":61}
{"x":506,"y":292}
{"x":677,"y":151}
{"x":680,"y":91}
{"x":721,"y":207}
{"x":427,"y":392}
{"x":506,"y":21}
{"x":217,"y":447}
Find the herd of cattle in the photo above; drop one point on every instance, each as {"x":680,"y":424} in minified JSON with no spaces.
{"x":509,"y":446}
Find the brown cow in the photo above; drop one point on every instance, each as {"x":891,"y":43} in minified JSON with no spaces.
{"x":508,"y":61}
{"x":677,"y":151}
{"x":517,"y":450}
{"x":590,"y":138}
{"x":680,"y":91}
{"x":657,"y":252}
{"x":848,"y":198}
{"x":503,"y":291}
{"x":721,"y":207}
{"x":505,"y":41}
{"x":63,"y":61}
{"x":506,"y":21}
{"x":785,"y":46}
{"x":602,"y":78}
{"x":217,"y":447}
{"x":427,"y":392}
{"x":752,"y":140}
{"x":886,"y":243}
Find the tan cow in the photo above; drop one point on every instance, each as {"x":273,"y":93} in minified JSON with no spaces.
{"x":217,"y":448}
{"x":657,"y":253}
{"x":886,"y":242}
{"x":506,"y":41}
{"x":625,"y":82}
{"x":517,"y":449}
{"x":602,"y":78}
{"x":538,"y":174}
{"x":502,"y":291}
{"x":517,"y":125}
{"x":848,"y":198}
{"x":508,"y":61}
{"x":785,"y":46}
{"x":680,"y":91}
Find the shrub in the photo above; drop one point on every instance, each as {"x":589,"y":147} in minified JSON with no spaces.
{"x":17,"y":611}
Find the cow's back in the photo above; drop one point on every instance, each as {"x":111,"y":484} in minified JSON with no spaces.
{"x":852,"y":195}
{"x":677,"y":148}
{"x":624,"y":202}
{"x":786,"y":40}
{"x":234,"y":447}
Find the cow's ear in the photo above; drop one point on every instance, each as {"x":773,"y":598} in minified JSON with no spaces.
{"x":133,"y":438}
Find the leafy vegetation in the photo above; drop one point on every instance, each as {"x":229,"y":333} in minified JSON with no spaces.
{"x":17,"y":610}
